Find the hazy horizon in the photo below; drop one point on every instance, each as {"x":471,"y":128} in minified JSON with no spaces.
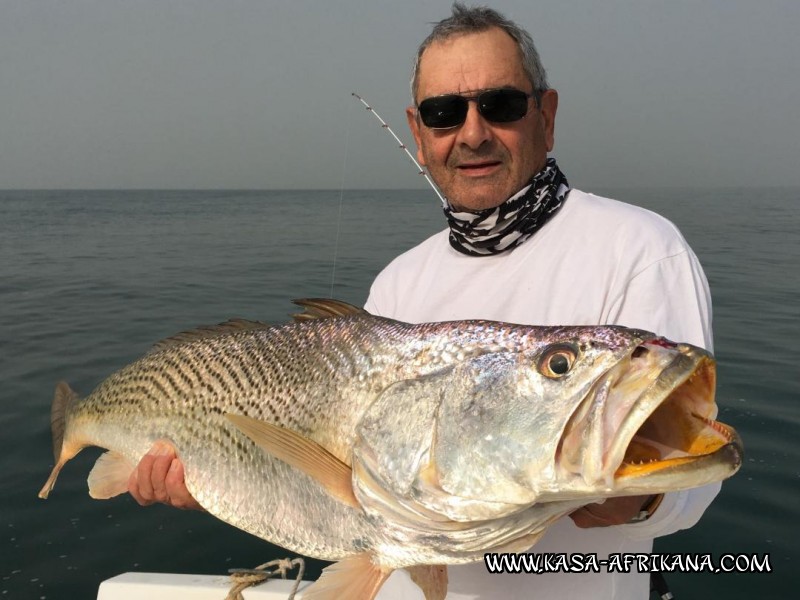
{"x":378,"y":189}
{"x":248,"y":95}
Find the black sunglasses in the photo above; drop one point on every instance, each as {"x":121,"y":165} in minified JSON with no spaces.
{"x":498,"y":106}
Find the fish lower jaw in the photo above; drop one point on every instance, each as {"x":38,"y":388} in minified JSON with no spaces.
{"x":680,"y":473}
{"x":708,"y":445}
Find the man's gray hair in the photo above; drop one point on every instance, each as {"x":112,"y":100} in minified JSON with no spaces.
{"x":465,"y":20}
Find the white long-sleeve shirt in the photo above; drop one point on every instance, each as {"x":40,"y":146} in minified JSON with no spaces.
{"x":597,"y":261}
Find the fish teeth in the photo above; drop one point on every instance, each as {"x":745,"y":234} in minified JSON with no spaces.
{"x":718,"y":427}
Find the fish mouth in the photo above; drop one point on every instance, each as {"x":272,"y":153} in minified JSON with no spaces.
{"x":652,"y":418}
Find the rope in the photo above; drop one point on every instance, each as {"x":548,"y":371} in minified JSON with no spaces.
{"x":241,"y":579}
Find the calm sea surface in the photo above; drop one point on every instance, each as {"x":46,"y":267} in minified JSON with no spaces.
{"x":89,"y":280}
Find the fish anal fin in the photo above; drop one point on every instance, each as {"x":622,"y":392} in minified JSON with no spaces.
{"x":431,"y":579}
{"x":323,"y":308}
{"x":301,"y":453}
{"x":208,"y":331}
{"x":354,"y":577}
{"x":109,"y":476}
{"x":63,"y":449}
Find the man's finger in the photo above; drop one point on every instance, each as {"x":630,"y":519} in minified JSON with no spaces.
{"x":151,"y":470}
{"x":584,"y":518}
{"x":176,"y":488}
{"x":158,"y":475}
{"x":143,"y":474}
{"x":614,"y":511}
{"x":164,"y":453}
{"x":133,"y":488}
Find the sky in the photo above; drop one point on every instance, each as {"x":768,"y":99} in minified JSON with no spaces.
{"x":210,"y":94}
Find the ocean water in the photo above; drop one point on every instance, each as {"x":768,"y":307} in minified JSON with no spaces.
{"x":89,"y":280}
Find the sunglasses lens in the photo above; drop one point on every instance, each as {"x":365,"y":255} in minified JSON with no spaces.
{"x":497,"y":106}
{"x":503,"y":106}
{"x":443,"y":112}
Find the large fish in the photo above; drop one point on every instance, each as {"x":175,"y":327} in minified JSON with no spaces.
{"x":385,"y":445}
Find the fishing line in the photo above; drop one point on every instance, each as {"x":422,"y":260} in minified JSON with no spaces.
{"x":341,"y":202}
{"x":420,"y":170}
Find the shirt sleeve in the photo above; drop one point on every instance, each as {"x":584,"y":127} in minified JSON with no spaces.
{"x":374,"y":303}
{"x":670,"y":297}
{"x":385,"y":293}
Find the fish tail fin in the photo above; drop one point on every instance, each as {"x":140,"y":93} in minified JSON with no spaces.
{"x":353,"y":577}
{"x":63,"y":398}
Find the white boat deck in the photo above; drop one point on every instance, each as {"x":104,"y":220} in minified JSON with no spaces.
{"x":169,"y":586}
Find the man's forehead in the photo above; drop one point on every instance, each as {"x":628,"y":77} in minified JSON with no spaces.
{"x":471,"y":62}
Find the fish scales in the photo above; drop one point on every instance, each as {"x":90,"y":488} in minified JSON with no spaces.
{"x":292,"y":376}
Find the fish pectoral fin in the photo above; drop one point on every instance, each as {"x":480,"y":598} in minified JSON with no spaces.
{"x":301,"y":453}
{"x":353,"y":577}
{"x":109,"y":476}
{"x":431,"y":579}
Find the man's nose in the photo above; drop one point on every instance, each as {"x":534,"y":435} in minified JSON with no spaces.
{"x":476,"y":130}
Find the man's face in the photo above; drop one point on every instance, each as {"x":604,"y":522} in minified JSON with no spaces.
{"x":481,"y":164}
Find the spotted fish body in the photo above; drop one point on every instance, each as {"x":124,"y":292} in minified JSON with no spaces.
{"x":384,"y":445}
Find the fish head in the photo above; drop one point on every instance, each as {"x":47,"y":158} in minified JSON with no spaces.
{"x":591,"y":412}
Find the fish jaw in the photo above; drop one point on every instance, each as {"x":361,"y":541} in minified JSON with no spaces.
{"x":649,"y":425}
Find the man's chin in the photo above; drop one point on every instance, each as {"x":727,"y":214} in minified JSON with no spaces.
{"x":479,"y":197}
{"x":474,"y":192}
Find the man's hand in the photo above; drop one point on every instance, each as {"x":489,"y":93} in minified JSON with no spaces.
{"x":614,"y":511}
{"x":159,"y":478}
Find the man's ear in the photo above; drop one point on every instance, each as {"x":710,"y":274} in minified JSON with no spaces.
{"x":413,"y":125}
{"x":549,"y":102}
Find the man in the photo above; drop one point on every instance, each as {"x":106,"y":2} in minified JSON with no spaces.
{"x":547,"y":257}
{"x":522,"y":247}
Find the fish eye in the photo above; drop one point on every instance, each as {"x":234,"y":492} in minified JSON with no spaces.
{"x":557,"y":361}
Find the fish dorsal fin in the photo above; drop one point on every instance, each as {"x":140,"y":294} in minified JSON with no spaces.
{"x":205,"y":332}
{"x":354,"y":577}
{"x":323,"y":308}
{"x":301,"y":453}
